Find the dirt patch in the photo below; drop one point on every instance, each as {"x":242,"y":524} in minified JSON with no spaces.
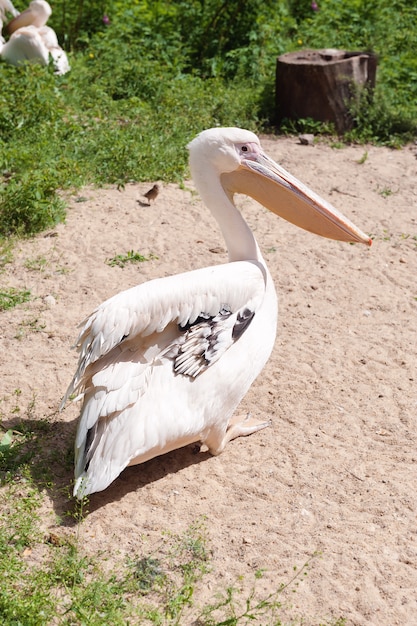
{"x":336,"y":473}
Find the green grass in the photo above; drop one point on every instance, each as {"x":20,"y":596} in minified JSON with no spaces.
{"x":6,"y":253}
{"x":37,"y":264}
{"x":11,"y":297}
{"x":49,"y":578}
{"x":118,"y":117}
{"x":29,"y":326}
{"x":131,"y":257}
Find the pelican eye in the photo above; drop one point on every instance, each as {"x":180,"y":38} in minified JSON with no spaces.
{"x":244,"y":148}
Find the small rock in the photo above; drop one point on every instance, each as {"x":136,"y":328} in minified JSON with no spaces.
{"x":306,"y":139}
{"x":49,"y":301}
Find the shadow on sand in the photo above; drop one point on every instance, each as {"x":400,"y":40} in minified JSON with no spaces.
{"x":48,"y":453}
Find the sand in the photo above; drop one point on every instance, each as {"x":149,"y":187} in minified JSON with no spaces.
{"x":336,"y":472}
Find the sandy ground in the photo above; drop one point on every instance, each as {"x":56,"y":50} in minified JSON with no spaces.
{"x":336,"y":473}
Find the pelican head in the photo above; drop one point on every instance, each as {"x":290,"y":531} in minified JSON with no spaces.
{"x":37,"y":14}
{"x":236,"y":157}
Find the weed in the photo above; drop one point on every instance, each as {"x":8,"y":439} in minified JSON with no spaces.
{"x":385,"y":192}
{"x":257,"y":610}
{"x":48,"y":578}
{"x":31,"y":325}
{"x":363,"y":158}
{"x":29,"y":204}
{"x":131,"y":257}
{"x":11,"y":297}
{"x":148,"y":573}
{"x":307,"y":125}
{"x":37,"y":264}
{"x":6,"y":252}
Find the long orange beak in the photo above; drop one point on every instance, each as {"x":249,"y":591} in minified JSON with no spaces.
{"x":265,"y":181}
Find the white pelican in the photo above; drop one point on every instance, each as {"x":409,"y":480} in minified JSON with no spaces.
{"x":164,"y":364}
{"x":7,"y":7}
{"x":31,"y":40}
{"x":26,"y":44}
{"x":37,"y":14}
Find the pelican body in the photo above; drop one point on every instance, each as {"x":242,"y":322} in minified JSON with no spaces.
{"x":165,"y":364}
{"x":31,"y":40}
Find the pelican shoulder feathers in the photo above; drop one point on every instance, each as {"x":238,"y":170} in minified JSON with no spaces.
{"x":166,"y":363}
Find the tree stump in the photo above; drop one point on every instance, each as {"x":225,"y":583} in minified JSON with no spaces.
{"x":322,"y":84}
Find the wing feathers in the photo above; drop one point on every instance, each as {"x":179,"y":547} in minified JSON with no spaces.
{"x":204,"y":342}
{"x":150,"y":307}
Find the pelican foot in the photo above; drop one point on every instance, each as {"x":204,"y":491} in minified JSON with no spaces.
{"x":239,"y":426}
{"x":243,"y":425}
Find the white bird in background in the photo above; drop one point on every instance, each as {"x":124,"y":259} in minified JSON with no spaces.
{"x":31,"y":40}
{"x":165,"y":364}
{"x":7,"y":7}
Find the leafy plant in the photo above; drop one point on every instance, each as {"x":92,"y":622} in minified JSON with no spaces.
{"x":15,"y":451}
{"x":29,"y":204}
{"x":11,"y":297}
{"x":131,"y":257}
{"x":6,"y":252}
{"x":119,"y":117}
{"x":37,"y":264}
{"x":389,"y":29}
{"x":262,"y":610}
{"x":32,"y":324}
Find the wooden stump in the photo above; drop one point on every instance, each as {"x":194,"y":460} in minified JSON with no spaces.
{"x":322,"y":84}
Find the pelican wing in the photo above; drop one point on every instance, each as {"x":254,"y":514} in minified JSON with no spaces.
{"x":205,"y":340}
{"x":134,"y":346}
{"x":211,"y":308}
